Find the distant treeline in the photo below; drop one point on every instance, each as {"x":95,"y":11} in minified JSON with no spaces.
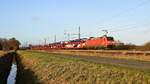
{"x":9,"y":44}
{"x":145,"y":47}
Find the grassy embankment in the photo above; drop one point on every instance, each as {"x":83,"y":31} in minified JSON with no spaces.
{"x":2,"y":53}
{"x":5,"y":63}
{"x":109,"y":54}
{"x":52,"y":69}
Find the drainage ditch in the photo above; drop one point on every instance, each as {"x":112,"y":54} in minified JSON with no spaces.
{"x":13,"y":71}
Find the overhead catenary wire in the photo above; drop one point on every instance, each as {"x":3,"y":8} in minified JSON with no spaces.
{"x":127,"y":11}
{"x":69,"y":34}
{"x":124,"y":27}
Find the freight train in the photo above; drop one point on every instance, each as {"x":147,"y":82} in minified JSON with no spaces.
{"x":104,"y":42}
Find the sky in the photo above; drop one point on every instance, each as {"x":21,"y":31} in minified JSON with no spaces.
{"x":32,"y":21}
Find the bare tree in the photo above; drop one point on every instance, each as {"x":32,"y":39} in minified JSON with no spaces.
{"x":11,"y":44}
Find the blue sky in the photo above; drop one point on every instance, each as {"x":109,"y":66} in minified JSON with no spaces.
{"x":34,"y":20}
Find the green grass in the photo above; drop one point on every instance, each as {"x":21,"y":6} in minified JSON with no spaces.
{"x":52,"y":69}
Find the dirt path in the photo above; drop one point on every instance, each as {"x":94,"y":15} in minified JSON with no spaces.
{"x":143,"y":65}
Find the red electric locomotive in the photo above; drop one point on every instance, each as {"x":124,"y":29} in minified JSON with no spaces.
{"x":103,"y":41}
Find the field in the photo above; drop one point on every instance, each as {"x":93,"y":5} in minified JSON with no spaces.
{"x":46,"y":68}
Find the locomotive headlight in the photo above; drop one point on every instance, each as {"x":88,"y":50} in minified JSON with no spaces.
{"x":83,"y":44}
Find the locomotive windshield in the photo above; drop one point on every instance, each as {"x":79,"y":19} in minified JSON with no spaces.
{"x":110,"y":38}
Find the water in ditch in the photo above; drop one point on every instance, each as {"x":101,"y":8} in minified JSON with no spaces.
{"x":13,"y":73}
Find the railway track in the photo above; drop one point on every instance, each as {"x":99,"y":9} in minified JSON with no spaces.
{"x":119,"y":58}
{"x":114,"y":52}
